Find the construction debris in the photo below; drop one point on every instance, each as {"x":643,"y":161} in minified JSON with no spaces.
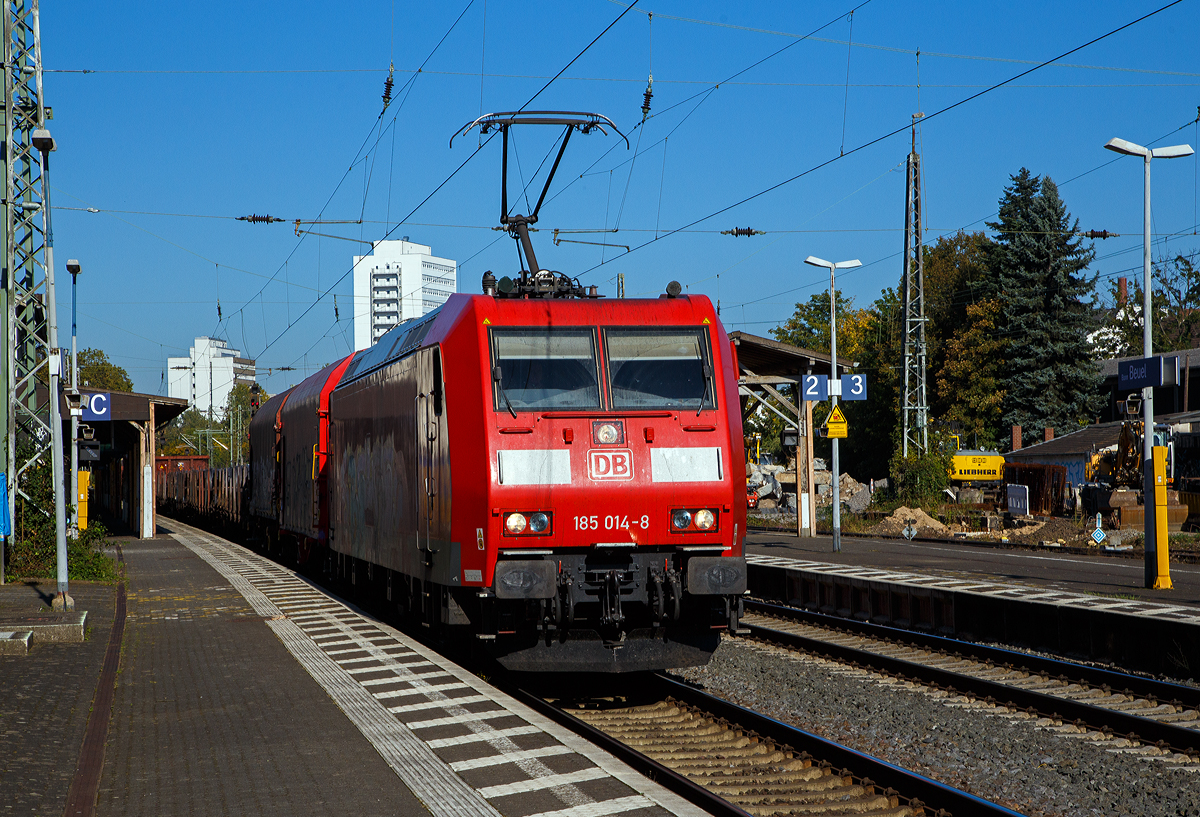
{"x":895,"y":524}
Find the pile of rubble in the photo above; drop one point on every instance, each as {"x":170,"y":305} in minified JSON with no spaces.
{"x":895,"y":524}
{"x":768,"y":483}
{"x":775,"y":486}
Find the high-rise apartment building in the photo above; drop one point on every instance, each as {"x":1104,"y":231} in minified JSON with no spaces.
{"x":398,"y":281}
{"x":206,"y":376}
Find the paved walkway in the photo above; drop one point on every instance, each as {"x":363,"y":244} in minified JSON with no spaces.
{"x":243,"y":689}
{"x":45,"y":699}
{"x":212,"y":716}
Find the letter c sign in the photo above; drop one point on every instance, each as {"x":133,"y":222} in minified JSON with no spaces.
{"x":96,"y":407}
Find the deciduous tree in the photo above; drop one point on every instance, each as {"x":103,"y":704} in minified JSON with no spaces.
{"x":96,"y":371}
{"x":969,"y":380}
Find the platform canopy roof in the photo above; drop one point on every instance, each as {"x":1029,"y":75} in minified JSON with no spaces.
{"x":765,"y":358}
{"x":136,"y":407}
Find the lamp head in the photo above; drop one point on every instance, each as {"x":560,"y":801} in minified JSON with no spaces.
{"x":1127,"y":148}
{"x":73,"y":266}
{"x":43,"y":141}
{"x":1172,"y":152}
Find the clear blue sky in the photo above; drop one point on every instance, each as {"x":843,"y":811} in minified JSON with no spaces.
{"x":194,"y":114}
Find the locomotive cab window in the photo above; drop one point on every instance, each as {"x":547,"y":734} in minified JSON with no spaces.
{"x":652,"y":368}
{"x":539,"y":368}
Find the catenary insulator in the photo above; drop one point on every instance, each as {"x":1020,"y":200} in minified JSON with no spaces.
{"x":647,"y":96}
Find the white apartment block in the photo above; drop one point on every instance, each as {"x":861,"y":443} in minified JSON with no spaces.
{"x":206,"y":376}
{"x":397,"y":282}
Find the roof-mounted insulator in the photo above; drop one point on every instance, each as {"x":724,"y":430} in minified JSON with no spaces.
{"x":746,"y":231}
{"x":1100,"y":234}
{"x":257,"y":219}
{"x":543,"y":284}
{"x":387,"y":86}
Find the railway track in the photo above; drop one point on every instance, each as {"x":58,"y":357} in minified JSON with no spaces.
{"x":732,"y":761}
{"x":1161,"y":719}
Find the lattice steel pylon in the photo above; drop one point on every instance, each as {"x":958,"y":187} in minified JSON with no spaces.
{"x":30,"y":421}
{"x":914,"y":406}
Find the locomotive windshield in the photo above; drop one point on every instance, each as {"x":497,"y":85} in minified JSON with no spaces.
{"x":542,"y":368}
{"x":659,"y":368}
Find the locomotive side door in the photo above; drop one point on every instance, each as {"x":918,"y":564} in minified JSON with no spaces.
{"x":433,"y":484}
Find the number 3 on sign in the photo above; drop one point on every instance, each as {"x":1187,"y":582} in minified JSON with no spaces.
{"x":854,"y":387}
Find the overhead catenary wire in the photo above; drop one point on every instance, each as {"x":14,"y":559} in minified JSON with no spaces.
{"x":406,"y":89}
{"x":898,"y":50}
{"x":445,"y":181}
{"x":846,"y":100}
{"x":943,"y":232}
{"x":885,"y":136}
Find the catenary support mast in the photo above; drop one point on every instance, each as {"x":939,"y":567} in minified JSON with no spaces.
{"x":29,"y":373}
{"x":914,"y":409}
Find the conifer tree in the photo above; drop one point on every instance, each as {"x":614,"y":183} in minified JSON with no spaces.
{"x":1038,"y":266}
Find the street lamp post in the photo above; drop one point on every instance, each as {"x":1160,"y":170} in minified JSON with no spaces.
{"x":834,"y":384}
{"x":1151,"y":529}
{"x":45,"y":145}
{"x":74,"y":268}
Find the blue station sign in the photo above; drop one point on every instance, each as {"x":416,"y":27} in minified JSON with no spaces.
{"x":97,"y":407}
{"x":1147,"y":371}
{"x":815,"y":387}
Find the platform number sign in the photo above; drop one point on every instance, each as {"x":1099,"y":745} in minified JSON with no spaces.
{"x":854,"y":387}
{"x":815,"y":387}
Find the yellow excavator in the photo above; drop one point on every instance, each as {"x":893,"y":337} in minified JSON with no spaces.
{"x":1114,"y":483}
{"x":974,"y":467}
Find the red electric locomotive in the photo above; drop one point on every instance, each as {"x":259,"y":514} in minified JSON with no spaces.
{"x":558,"y":476}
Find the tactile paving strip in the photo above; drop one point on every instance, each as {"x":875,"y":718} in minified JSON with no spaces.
{"x":460,"y":745}
{"x":1149,"y":609}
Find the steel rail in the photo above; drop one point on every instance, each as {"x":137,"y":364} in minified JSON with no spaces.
{"x":668,"y":778}
{"x":1141,"y":686}
{"x":918,"y":790}
{"x":1132,"y":727}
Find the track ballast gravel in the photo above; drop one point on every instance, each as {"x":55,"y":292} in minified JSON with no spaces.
{"x":998,"y":757}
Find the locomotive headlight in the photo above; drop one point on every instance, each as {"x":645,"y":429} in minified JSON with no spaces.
{"x":681,"y":519}
{"x":538,"y":522}
{"x":607,"y":434}
{"x":515,"y":523}
{"x":705,"y":519}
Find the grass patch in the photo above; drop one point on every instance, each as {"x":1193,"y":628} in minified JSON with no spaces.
{"x":36,"y":557}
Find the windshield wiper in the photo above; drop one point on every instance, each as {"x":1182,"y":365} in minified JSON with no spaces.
{"x":499,"y":378}
{"x":704,"y":394}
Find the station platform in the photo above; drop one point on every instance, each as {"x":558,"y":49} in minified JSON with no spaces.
{"x":242,"y":688}
{"x":1093,"y":577}
{"x":1089,"y":607}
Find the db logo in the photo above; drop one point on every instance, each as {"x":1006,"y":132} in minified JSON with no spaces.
{"x":610,"y":463}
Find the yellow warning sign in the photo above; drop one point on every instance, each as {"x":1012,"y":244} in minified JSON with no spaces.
{"x":706,"y":320}
{"x":486,"y":322}
{"x":836,"y":426}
